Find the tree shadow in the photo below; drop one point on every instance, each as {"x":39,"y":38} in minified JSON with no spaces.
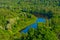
{"x":42,"y":13}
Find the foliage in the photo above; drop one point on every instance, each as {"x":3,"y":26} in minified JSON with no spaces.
{"x":15,"y":15}
{"x":41,"y":33}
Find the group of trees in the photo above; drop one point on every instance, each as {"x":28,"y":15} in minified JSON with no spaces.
{"x":17,"y":14}
{"x":41,"y":33}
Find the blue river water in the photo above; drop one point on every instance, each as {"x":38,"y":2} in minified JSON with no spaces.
{"x":34,"y":25}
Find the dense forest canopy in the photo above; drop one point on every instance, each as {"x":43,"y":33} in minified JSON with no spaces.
{"x":16,"y":15}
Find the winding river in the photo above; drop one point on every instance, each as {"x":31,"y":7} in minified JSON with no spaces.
{"x":34,"y":25}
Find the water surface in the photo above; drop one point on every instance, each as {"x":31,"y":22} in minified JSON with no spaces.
{"x":34,"y":25}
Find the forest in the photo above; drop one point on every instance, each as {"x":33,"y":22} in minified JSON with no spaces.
{"x":17,"y":15}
